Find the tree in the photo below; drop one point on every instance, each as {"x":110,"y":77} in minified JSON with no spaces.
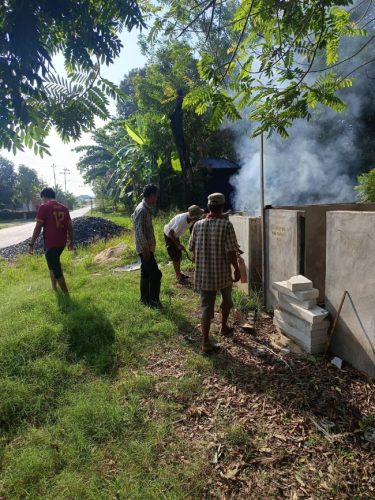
{"x":66,"y":198}
{"x":33,"y":98}
{"x":285,"y":60}
{"x":366,"y":186}
{"x":128,"y":104}
{"x":121,"y":158}
{"x":171,"y":73}
{"x":8,"y":179}
{"x":28,"y":184}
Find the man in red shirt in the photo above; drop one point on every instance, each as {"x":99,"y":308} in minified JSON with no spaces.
{"x":55,"y":220}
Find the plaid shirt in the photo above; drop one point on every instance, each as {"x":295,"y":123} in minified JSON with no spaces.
{"x":211,"y":240}
{"x":143,"y":228}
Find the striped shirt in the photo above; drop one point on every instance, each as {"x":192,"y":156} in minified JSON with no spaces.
{"x":211,"y":240}
{"x":143,"y":228}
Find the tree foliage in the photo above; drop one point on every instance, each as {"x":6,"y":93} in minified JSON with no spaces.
{"x":8,"y":180}
{"x":33,"y":97}
{"x":28,"y":185}
{"x":283,"y":60}
{"x":365,"y":188}
{"x":139,"y":146}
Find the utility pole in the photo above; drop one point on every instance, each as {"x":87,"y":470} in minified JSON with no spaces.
{"x":263,"y":219}
{"x":65,"y":172}
{"x":54,"y":174}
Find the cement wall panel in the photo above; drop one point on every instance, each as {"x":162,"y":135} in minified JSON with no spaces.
{"x":283,"y":234}
{"x":248,"y":233}
{"x":350,"y":266}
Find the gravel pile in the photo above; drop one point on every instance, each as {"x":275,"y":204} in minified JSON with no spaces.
{"x":86,"y":231}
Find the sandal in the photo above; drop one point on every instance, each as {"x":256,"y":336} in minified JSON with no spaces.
{"x":214,"y":347}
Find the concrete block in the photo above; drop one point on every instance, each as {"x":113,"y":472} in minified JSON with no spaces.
{"x":315,"y":337}
{"x":299,"y":282}
{"x":300,"y":324}
{"x":306,"y":304}
{"x":281,"y":286}
{"x":312,"y":346}
{"x":314,"y":315}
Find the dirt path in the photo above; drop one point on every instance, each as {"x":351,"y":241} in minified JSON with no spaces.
{"x":270,"y":424}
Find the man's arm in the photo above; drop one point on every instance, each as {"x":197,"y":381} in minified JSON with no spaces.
{"x":70,"y":236}
{"x":192,"y":244}
{"x":232,"y":248}
{"x":233,"y":260}
{"x":140,"y":229}
{"x":36,"y":233}
{"x":173,"y":237}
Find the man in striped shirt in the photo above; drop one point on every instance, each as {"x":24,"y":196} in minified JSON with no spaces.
{"x":214,"y":246}
{"x":145,"y":244}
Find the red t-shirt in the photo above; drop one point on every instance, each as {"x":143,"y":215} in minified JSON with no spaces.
{"x":55,"y":218}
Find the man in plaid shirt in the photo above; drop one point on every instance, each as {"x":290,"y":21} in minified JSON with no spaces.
{"x":214,"y":246}
{"x":145,"y":244}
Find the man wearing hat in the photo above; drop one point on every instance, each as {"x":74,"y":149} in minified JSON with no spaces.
{"x":214,"y":246}
{"x":172,"y":233}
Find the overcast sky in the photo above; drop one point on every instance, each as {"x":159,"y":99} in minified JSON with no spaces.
{"x":61,"y":154}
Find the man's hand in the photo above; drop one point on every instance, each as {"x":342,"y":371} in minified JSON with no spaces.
{"x":237,"y":275}
{"x":181,"y":247}
{"x":70,"y":246}
{"x":31,"y":248}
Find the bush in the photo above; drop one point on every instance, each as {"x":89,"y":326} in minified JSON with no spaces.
{"x":7,"y":214}
{"x":365,"y":188}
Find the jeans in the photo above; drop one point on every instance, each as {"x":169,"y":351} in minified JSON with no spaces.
{"x":150,"y":281}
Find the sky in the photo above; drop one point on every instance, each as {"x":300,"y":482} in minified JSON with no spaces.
{"x":61,"y":154}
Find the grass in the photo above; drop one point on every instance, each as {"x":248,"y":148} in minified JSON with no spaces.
{"x":13,"y":222}
{"x":104,"y":398}
{"x":72,"y":414}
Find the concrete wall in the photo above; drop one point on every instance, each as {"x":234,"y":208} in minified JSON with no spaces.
{"x":351,"y":266}
{"x":248,"y":232}
{"x":284,"y":248}
{"x":315,"y":238}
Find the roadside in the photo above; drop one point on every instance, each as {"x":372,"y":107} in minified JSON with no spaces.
{"x":11,"y":223}
{"x":21,"y":231}
{"x":103,"y":398}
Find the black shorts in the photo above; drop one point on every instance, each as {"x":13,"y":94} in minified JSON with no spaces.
{"x":53,"y":260}
{"x":173,"y":251}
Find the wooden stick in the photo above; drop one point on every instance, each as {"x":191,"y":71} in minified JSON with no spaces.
{"x":332,"y":331}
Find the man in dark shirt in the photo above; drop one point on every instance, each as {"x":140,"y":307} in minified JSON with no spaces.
{"x":55,"y":220}
{"x":145,"y":244}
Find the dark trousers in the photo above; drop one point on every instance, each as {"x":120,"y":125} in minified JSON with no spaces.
{"x":150,"y":281}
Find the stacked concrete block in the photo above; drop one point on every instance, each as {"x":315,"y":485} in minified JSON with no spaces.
{"x":298,"y":316}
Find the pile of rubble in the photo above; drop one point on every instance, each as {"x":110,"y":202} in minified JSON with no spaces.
{"x":86,"y":231}
{"x":298,"y":316}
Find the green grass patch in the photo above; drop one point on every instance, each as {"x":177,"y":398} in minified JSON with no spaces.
{"x":79,"y":416}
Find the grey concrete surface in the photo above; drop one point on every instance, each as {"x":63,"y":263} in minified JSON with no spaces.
{"x":248,"y":233}
{"x":315,"y":238}
{"x":283,"y":235}
{"x":16,"y":234}
{"x":350,"y":266}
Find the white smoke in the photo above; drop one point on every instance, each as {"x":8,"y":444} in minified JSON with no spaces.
{"x":300,"y":170}
{"x":315,"y":164}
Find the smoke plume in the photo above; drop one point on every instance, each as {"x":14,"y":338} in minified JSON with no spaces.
{"x":319,"y":161}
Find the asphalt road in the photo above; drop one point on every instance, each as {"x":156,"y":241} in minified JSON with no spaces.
{"x":16,"y":234}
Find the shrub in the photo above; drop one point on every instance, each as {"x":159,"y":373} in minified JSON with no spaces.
{"x":365,"y":188}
